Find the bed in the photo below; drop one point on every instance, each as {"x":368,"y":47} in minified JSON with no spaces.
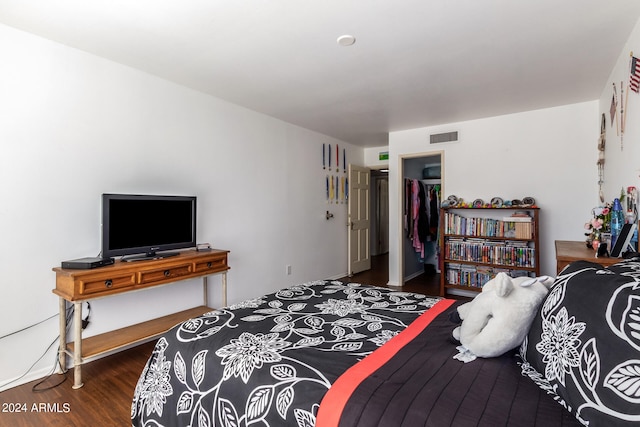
{"x":329,"y":353}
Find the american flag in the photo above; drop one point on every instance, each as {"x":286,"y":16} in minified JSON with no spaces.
{"x":634,"y":80}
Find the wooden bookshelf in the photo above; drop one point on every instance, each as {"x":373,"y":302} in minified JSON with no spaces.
{"x":476,"y":243}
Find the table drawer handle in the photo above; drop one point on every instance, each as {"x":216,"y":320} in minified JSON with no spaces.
{"x":167,"y":273}
{"x":108,"y":283}
{"x":209,"y":264}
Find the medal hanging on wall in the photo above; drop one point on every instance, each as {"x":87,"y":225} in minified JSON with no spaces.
{"x":344,"y":160}
{"x":346,"y":189}
{"x":335,"y":191}
{"x":327,"y":185}
{"x":331,"y":190}
{"x":323,"y":164}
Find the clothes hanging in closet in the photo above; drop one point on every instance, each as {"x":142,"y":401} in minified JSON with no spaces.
{"x":421,"y":213}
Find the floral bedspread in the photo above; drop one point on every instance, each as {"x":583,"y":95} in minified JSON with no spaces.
{"x":584,"y":345}
{"x":270,"y":360}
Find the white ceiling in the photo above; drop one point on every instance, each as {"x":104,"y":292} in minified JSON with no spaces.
{"x":415,"y":62}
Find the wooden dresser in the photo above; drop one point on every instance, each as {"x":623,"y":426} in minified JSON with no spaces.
{"x":79,"y":286}
{"x":569,"y":251}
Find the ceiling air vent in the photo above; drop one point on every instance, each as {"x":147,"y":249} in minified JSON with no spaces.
{"x":443,"y":137}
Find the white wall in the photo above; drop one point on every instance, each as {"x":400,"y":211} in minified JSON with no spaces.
{"x":547,"y":154}
{"x":622,"y":153}
{"x":73,"y":126}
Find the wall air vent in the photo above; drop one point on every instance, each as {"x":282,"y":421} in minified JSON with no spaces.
{"x":443,"y":137}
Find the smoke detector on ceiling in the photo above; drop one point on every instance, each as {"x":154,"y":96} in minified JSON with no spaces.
{"x":346,"y":40}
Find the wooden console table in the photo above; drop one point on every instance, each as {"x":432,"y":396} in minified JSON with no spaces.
{"x":569,"y":251}
{"x":78,"y":286}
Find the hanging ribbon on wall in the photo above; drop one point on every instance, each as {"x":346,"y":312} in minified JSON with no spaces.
{"x":346,"y":189}
{"x":327,"y":184}
{"x":344,"y":160}
{"x":336,"y":190}
{"x":323,"y":166}
{"x":331,"y":190}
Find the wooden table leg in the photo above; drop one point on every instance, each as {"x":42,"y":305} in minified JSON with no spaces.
{"x":224,"y":289}
{"x":62,"y":355}
{"x":77,"y":346}
{"x":205,"y":291}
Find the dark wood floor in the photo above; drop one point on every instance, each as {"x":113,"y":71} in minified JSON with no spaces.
{"x":427,"y":283}
{"x":105,"y":398}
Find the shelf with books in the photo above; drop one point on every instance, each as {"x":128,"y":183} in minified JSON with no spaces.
{"x":478,"y":243}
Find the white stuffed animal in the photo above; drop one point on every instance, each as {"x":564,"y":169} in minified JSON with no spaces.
{"x":498,"y":318}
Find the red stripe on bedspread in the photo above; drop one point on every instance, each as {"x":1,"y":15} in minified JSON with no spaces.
{"x":336,"y":398}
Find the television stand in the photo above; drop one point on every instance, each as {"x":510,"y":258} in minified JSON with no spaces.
{"x":78,"y":286}
{"x":148,"y":256}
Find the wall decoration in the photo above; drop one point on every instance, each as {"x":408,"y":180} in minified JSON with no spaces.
{"x":346,"y":189}
{"x":323,"y":165}
{"x":332,"y":190}
{"x":623,"y":112}
{"x":344,"y":160}
{"x":600,"y":163}
{"x":336,"y":187}
{"x":613,"y":110}
{"x":327,"y":184}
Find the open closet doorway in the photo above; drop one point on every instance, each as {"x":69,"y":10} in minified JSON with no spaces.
{"x":421,"y":177}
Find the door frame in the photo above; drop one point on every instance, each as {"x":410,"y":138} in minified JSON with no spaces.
{"x":400,"y":224}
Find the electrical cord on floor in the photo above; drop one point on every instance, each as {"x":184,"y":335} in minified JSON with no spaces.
{"x":34,"y":364}
{"x":68,"y":316}
{"x":56,"y":363}
{"x":63,"y":374}
{"x":85,"y":323}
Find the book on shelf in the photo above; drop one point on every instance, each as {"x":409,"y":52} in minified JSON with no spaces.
{"x":517,"y":219}
{"x":509,"y":253}
{"x":517,"y":226}
{"x":476,"y":276}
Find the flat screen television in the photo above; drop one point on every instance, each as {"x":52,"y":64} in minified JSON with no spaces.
{"x":138,"y":227}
